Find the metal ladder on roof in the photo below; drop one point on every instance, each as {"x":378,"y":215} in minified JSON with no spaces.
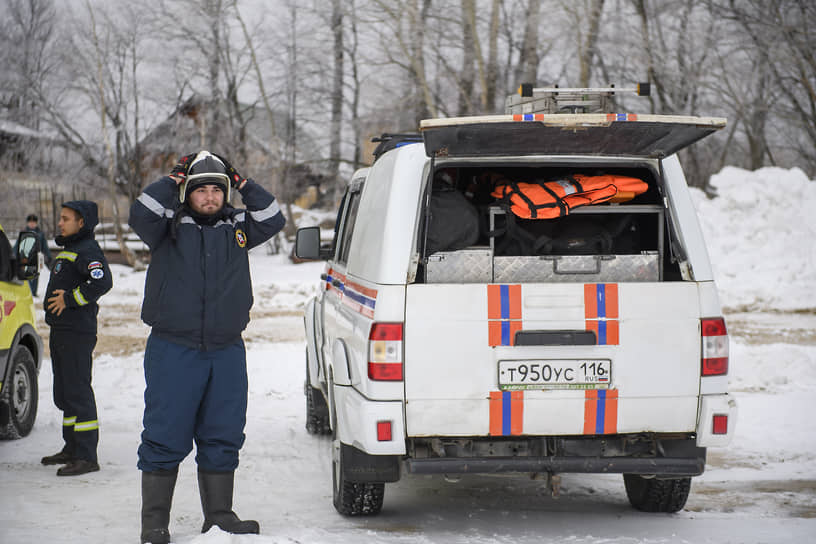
{"x":531,"y":99}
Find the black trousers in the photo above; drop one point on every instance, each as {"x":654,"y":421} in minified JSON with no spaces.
{"x":71,"y":361}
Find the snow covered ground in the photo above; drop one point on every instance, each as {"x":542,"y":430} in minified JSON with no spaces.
{"x":760,"y":489}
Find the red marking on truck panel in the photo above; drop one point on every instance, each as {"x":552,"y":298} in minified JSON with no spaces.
{"x":506,"y":413}
{"x":601,"y":411}
{"x":503,"y":314}
{"x":601,"y":312}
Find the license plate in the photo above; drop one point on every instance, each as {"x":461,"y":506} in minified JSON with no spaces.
{"x":555,"y":374}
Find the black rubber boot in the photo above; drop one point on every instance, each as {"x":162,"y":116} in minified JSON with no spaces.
{"x":62,"y":458}
{"x":157,"y":496}
{"x":216,"y":502}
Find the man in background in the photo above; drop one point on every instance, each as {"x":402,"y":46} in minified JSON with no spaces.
{"x":32,"y":225}
{"x":79,"y":278}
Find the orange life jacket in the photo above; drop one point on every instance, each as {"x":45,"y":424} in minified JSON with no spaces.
{"x":550,"y":199}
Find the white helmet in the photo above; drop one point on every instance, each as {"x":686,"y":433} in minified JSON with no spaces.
{"x":205,"y":169}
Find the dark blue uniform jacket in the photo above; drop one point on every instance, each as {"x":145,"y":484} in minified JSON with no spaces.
{"x":198,"y":291}
{"x":82,"y":271}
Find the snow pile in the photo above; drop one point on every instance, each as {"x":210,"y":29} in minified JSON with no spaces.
{"x":760,"y":231}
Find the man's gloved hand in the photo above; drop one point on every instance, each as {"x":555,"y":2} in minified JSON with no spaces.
{"x":236,"y":180}
{"x":179,"y":171}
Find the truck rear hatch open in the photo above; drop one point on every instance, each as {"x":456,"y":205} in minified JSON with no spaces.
{"x":635,"y":135}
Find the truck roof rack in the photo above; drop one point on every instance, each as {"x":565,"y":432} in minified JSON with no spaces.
{"x":531,"y":99}
{"x":388,"y":141}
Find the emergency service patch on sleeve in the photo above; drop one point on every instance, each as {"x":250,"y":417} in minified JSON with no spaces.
{"x":240,"y":237}
{"x":97,"y":270}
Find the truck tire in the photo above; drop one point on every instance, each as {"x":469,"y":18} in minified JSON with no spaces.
{"x":655,"y":494}
{"x":353,"y":498}
{"x":317,"y":411}
{"x":21,"y":406}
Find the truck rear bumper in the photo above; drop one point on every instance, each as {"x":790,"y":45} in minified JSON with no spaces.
{"x":645,"y":454}
{"x":663,"y":466}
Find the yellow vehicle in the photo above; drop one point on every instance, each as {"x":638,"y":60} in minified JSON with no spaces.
{"x":20,"y":344}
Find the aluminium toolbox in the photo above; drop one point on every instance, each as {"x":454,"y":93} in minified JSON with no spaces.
{"x":478,"y":265}
{"x":472,"y":265}
{"x":577,"y":268}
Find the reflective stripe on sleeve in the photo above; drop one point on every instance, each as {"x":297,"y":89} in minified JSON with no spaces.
{"x":67,"y":255}
{"x":81,"y":426}
{"x":267,"y":213}
{"x":79,"y":298}
{"x":68,"y":421}
{"x":154,"y":205}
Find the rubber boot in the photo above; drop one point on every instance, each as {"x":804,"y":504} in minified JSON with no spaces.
{"x":216,"y":502}
{"x":157,"y":496}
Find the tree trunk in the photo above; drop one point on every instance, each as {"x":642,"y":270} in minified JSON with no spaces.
{"x":588,"y":47}
{"x":527,"y":67}
{"x":424,"y":102}
{"x":492,"y":70}
{"x":337,"y":89}
{"x":468,"y":57}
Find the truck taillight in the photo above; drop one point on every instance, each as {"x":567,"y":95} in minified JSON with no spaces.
{"x":385,"y":352}
{"x":384,"y":431}
{"x":719,"y":424}
{"x":714,"y":360}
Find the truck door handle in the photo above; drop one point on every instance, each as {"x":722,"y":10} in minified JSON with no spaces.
{"x":337,"y":283}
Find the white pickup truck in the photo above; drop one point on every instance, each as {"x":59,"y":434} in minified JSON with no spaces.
{"x":451,"y":336}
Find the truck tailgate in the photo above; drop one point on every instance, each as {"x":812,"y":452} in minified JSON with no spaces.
{"x":458,"y":335}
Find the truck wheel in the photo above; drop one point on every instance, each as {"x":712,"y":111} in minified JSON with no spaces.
{"x":657,"y":495}
{"x":22,"y":396}
{"x":353,"y":498}
{"x":317,"y":411}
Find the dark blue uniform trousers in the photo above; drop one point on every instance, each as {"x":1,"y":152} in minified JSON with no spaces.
{"x":71,"y":361}
{"x":193,"y":395}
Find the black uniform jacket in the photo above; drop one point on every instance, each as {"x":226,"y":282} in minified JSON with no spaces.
{"x":198,"y":291}
{"x":82,"y":271}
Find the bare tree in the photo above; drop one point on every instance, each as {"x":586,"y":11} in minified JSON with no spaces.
{"x":26,"y":57}
{"x":352,"y":51}
{"x":588,"y":39}
{"x":114,"y":114}
{"x":526,"y":70}
{"x":404,"y":26}
{"x":337,"y":88}
{"x":491,"y":78}
{"x":469,"y":55}
{"x":782,"y":44}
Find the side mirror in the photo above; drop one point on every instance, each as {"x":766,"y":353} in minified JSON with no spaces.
{"x":307,"y":244}
{"x":27,"y":257}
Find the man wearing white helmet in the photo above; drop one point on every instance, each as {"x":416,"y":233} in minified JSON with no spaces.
{"x":198,"y":294}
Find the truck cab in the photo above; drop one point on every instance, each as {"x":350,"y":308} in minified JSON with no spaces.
{"x":460,"y":328}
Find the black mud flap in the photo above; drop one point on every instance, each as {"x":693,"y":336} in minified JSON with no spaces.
{"x":362,"y":467}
